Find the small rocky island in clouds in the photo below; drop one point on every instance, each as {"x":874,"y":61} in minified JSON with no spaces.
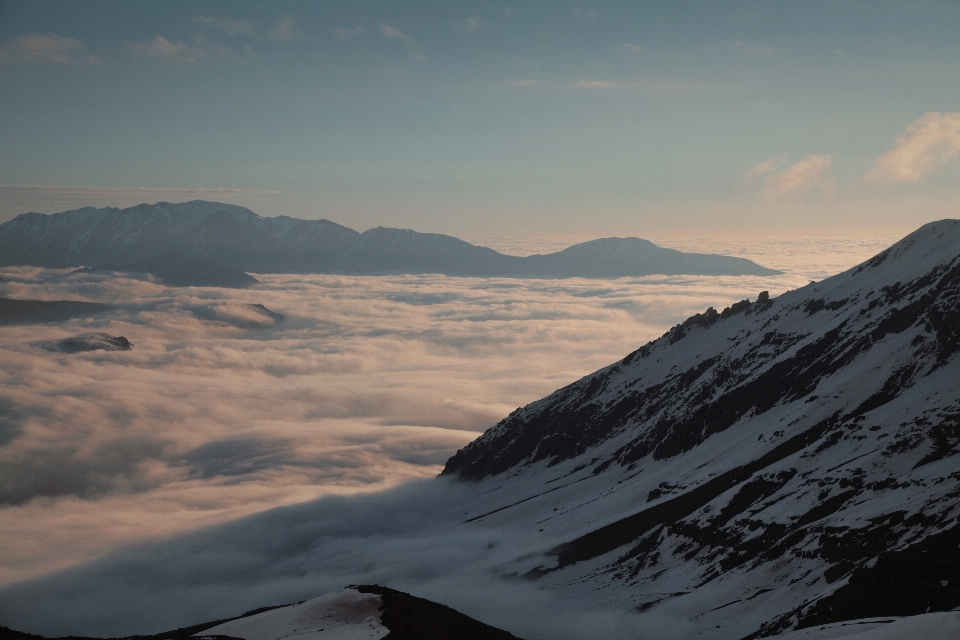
{"x":211,"y":244}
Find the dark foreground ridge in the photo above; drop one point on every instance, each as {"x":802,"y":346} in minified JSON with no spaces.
{"x":411,"y":618}
{"x":227,"y":237}
{"x":407,"y":617}
{"x":176,"y":634}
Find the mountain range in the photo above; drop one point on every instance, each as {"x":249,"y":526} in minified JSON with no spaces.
{"x":235,"y":237}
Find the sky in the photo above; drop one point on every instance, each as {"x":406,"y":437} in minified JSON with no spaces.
{"x":491,"y":118}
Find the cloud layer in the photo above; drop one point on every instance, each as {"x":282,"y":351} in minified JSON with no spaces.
{"x":409,"y":538}
{"x":804,"y":177}
{"x":220,"y":411}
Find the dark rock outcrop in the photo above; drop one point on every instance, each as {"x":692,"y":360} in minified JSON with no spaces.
{"x":411,"y":618}
{"x":87,"y":342}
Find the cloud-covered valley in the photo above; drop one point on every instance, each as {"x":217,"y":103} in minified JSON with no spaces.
{"x":232,"y":402}
{"x":221,"y":409}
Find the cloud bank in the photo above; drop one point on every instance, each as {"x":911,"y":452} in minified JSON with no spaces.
{"x":931,"y":141}
{"x":340,"y":411}
{"x":164,"y":50}
{"x":409,"y":538}
{"x":220,"y":410}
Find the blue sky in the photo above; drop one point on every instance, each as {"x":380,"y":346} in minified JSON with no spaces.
{"x":490,"y":118}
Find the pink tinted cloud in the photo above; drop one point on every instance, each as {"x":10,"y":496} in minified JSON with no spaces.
{"x":367,"y":382}
{"x":806,"y":176}
{"x":46,"y":49}
{"x":931,"y":141}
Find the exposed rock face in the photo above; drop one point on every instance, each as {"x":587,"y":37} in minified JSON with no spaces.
{"x":88,"y":342}
{"x":238,"y":238}
{"x":411,"y":618}
{"x":239,"y":314}
{"x":780,"y":464}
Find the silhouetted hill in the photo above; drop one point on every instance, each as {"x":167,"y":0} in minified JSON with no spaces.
{"x":237,"y":237}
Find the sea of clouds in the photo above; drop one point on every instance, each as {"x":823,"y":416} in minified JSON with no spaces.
{"x":169,"y":461}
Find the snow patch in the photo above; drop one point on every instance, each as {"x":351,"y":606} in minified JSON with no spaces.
{"x":342,"y":615}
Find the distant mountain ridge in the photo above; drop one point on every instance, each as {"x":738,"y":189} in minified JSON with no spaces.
{"x":237,"y":237}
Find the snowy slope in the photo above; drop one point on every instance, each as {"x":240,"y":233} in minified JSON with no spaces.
{"x":930,"y":626}
{"x":342,"y":615}
{"x":778,"y":465}
{"x":360,"y":613}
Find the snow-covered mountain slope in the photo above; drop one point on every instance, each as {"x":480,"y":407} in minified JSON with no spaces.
{"x":342,"y":615}
{"x":360,"y":613}
{"x":930,"y":626}
{"x":782,"y":464}
{"x":239,"y":238}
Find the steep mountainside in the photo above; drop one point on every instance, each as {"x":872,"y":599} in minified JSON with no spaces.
{"x":239,"y":238}
{"x":782,"y":464}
